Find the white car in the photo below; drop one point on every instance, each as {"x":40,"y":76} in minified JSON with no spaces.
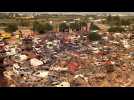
{"x":41,"y":74}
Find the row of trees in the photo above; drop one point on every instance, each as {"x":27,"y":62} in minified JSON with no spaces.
{"x":118,"y":21}
{"x":38,"y":27}
{"x":116,"y":29}
{"x":45,"y":27}
{"x":74,"y":26}
{"x":11,"y":28}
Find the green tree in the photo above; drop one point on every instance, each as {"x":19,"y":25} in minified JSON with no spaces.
{"x":114,"y":20}
{"x":125,"y":22}
{"x":83,"y":23}
{"x":63,"y":27}
{"x":109,"y":18}
{"x":24,"y":22}
{"x":48,"y":27}
{"x":94,"y":27}
{"x":11,"y":28}
{"x":75,"y":26}
{"x":116,"y":29}
{"x":42,"y":27}
{"x":36,"y":26}
{"x":94,"y":36}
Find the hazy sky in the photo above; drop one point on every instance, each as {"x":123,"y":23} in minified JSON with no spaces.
{"x":76,"y":13}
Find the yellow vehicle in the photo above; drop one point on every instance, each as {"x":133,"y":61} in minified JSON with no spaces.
{"x":1,"y":38}
{"x":6,"y":35}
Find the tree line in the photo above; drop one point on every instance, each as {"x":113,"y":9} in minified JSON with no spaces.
{"x":43,"y":27}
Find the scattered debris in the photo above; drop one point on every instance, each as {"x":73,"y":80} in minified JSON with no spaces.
{"x":69,"y":59}
{"x":63,"y":84}
{"x":35,"y":62}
